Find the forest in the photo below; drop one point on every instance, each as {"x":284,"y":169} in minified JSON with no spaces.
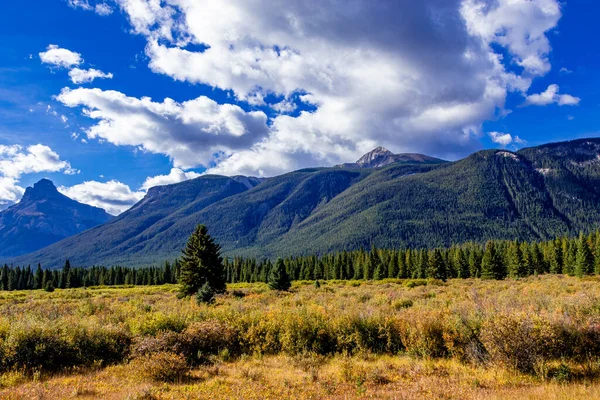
{"x":495,"y":260}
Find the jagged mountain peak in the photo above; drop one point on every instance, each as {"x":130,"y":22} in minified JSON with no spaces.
{"x":44,"y":216}
{"x":42,"y":189}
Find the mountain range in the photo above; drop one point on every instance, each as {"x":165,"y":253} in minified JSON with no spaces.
{"x":385,"y":200}
{"x":42,"y":217}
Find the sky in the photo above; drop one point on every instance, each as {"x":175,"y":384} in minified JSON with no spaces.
{"x":108,"y":98}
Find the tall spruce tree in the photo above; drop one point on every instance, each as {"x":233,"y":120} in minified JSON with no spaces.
{"x":516,"y":266}
{"x":201,"y":262}
{"x":492,"y":266}
{"x":436,"y":268}
{"x":279,"y":278}
{"x":584,"y":260}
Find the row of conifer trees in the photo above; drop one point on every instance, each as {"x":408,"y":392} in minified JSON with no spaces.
{"x":494,"y":260}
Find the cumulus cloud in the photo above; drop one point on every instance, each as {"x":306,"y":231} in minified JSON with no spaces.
{"x":191,"y":133}
{"x":10,"y":191}
{"x":16,"y":161}
{"x":175,"y":176}
{"x":551,"y":96}
{"x":113,"y":196}
{"x":505,"y":139}
{"x":79,"y":76}
{"x":60,"y":57}
{"x":116,"y":197}
{"x":424,"y":81}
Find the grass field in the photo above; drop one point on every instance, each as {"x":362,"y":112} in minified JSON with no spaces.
{"x":536,"y":338}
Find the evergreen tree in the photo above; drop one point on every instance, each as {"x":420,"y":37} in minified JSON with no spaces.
{"x":201,"y":263}
{"x":491,"y":263}
{"x":278,"y":278}
{"x":461,"y":264}
{"x":584,"y":261}
{"x":37,"y":282}
{"x":64,"y":275}
{"x":597,"y":254}
{"x":516,"y":266}
{"x":436,"y":268}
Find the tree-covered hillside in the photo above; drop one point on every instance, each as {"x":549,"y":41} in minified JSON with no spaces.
{"x":535,"y":194}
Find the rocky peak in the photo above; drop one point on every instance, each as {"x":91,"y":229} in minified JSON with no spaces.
{"x":374,"y":155}
{"x":40,"y":190}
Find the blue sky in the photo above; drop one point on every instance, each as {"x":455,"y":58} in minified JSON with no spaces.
{"x":259,"y":88}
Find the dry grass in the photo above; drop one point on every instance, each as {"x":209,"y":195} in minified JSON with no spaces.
{"x":344,"y":340}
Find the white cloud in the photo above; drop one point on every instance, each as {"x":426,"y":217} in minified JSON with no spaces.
{"x":60,"y":57}
{"x":113,"y":196}
{"x":551,"y":96}
{"x":79,"y":76}
{"x":175,"y":176}
{"x":84,"y":4}
{"x":504,"y":139}
{"x":519,"y":26}
{"x":10,"y":191}
{"x":284,"y":106}
{"x":565,"y":71}
{"x":424,"y":81}
{"x":116,"y":197}
{"x":103,"y":9}
{"x":16,"y":161}
{"x":191,"y":133}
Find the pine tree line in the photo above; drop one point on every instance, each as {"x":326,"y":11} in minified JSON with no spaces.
{"x":17,"y":278}
{"x":494,"y":260}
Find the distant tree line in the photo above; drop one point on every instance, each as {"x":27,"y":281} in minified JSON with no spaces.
{"x":17,"y":278}
{"x":495,"y":260}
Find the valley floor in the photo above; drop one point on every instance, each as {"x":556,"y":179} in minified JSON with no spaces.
{"x":535,"y":338}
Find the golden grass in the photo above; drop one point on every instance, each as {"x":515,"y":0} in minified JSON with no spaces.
{"x":418,"y":350}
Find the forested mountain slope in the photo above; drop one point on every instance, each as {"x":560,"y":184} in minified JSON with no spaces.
{"x":536,"y":193}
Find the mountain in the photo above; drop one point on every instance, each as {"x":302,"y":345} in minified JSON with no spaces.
{"x":380,"y":157}
{"x":535,"y":193}
{"x":42,"y":217}
{"x":132,"y":237}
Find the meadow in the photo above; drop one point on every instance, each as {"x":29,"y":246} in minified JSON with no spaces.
{"x":531,"y":338}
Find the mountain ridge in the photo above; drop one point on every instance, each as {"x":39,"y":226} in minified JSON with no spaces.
{"x":535,"y":193}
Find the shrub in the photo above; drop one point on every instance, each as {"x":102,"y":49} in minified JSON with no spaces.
{"x":402,"y":303}
{"x":205,"y":295}
{"x":105,"y":345}
{"x":151,"y":324}
{"x":423,"y":334}
{"x":210,"y":337}
{"x":196,"y":344}
{"x":307,"y":331}
{"x":163,"y":367}
{"x":38,"y":348}
{"x":49,"y":287}
{"x":412,"y":283}
{"x":519,"y":341}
